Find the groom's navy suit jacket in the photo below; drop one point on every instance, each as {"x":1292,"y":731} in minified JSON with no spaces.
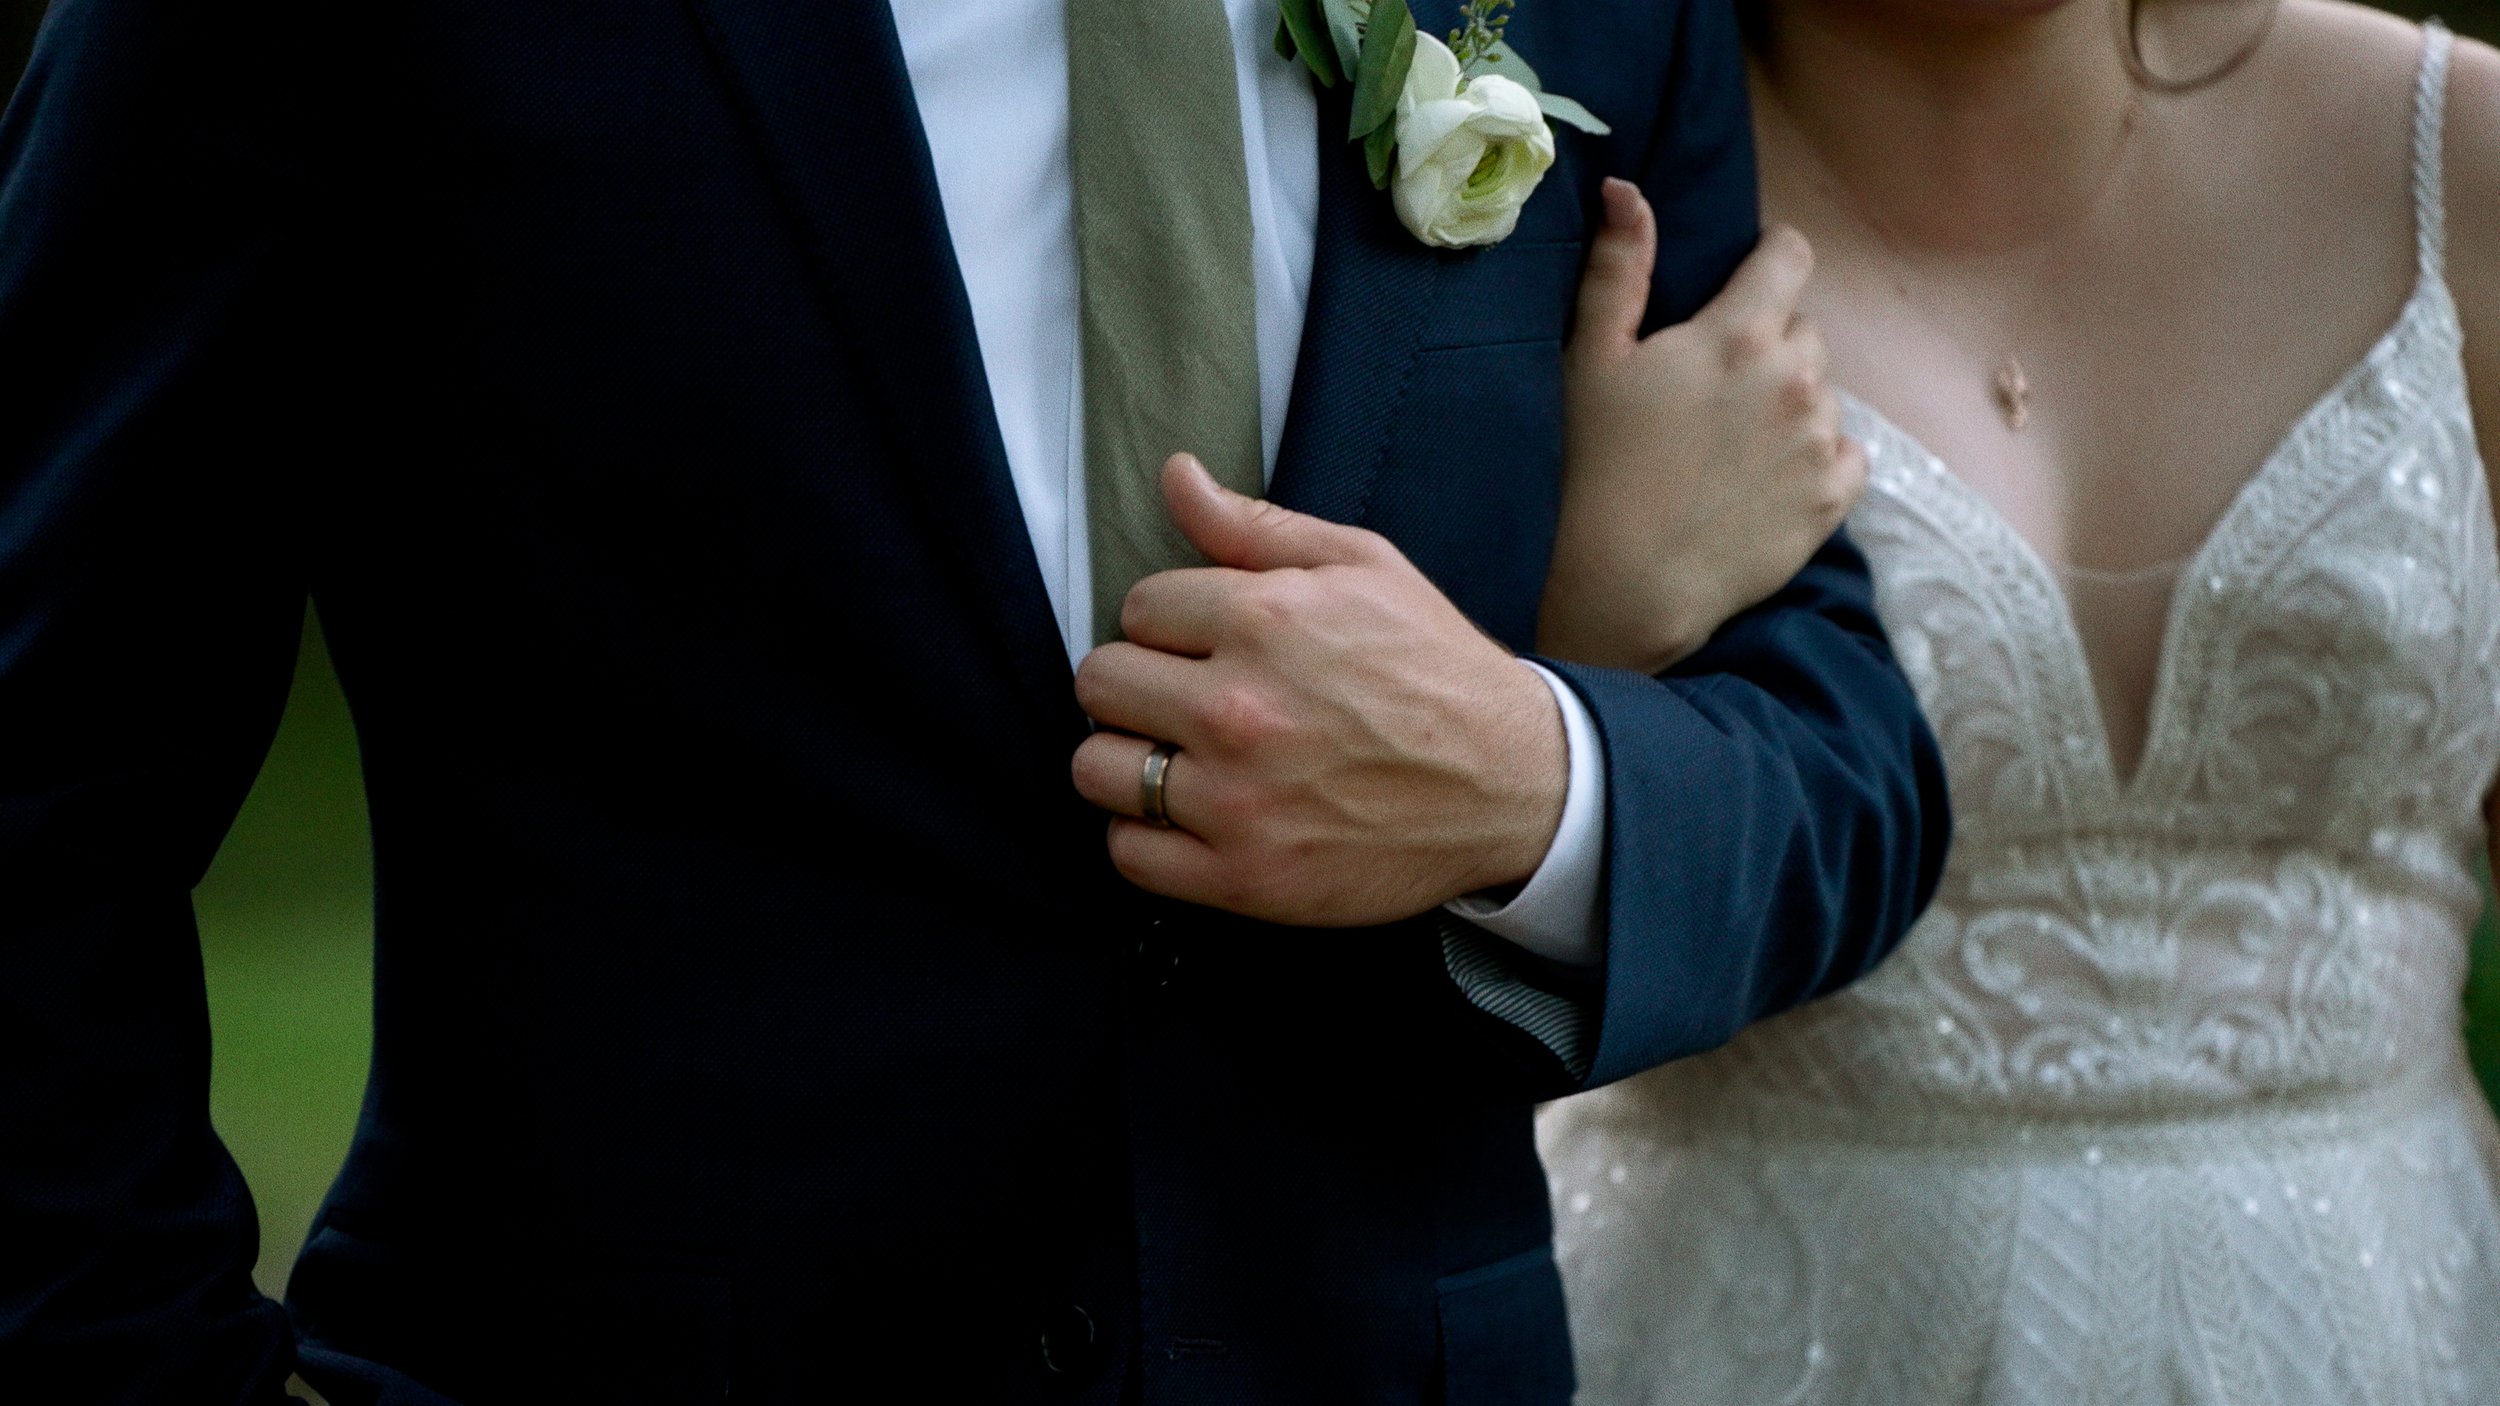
{"x":757,"y":1016}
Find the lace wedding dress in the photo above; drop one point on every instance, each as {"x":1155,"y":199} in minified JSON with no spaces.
{"x":2164,"y":1101}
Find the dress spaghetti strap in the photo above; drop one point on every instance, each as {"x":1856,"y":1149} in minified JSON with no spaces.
{"x":2430,"y":105}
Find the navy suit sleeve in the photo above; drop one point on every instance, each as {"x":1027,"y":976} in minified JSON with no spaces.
{"x":1776,"y":808}
{"x":1776,"y":819}
{"x":149,"y":614}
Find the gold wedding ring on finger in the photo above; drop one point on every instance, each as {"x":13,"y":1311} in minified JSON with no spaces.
{"x":1150,"y":803}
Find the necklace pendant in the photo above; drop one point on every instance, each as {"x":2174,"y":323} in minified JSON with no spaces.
{"x":2013,"y":393}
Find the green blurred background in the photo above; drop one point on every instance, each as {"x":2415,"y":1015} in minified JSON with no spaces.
{"x":286,"y":919}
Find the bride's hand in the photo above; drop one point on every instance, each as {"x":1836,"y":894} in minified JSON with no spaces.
{"x":1703,"y":464}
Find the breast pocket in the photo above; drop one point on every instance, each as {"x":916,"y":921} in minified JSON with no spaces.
{"x":1473,"y":478}
{"x":1505,"y":1340}
{"x":1517,"y":291}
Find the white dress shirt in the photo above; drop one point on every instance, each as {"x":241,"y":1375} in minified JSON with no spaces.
{"x":991,"y":80}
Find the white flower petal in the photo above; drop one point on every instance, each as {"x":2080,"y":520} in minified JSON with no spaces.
{"x":1508,"y":108}
{"x":1433,"y":76}
{"x":1423,"y":132}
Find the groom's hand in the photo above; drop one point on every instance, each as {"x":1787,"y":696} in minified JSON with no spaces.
{"x":1352,"y":749}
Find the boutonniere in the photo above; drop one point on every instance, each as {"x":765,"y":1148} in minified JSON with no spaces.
{"x":1456,"y":132}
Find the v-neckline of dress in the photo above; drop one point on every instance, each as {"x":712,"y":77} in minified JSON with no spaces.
{"x":2225,"y":558}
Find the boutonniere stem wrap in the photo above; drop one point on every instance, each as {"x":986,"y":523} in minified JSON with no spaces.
{"x":1459,"y":132}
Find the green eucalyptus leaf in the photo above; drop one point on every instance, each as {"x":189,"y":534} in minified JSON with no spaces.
{"x":1300,"y":19}
{"x":1388,"y":52}
{"x":1401,"y":63}
{"x":1285,"y":46}
{"x":1380,"y":152}
{"x":1344,"y":21}
{"x":1565,"y":110}
{"x":1504,"y":60}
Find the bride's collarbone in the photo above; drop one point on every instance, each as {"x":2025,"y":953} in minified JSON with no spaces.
{"x":2166,"y":353}
{"x":2151,"y":396}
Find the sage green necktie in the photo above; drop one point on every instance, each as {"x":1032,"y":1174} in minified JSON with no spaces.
{"x":1163,"y":259}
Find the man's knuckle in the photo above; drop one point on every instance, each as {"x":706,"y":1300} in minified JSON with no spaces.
{"x":1235,"y":717}
{"x":1254,"y":611}
{"x":1293,"y":595}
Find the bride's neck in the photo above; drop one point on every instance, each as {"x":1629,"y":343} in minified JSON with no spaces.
{"x":1958,"y":132}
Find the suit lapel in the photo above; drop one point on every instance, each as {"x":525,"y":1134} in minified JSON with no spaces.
{"x":852,"y":161}
{"x":829,"y":101}
{"x":1371,"y":284}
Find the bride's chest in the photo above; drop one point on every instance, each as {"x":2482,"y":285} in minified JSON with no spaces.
{"x":2329,"y":662}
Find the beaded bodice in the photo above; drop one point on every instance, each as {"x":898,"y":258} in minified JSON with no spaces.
{"x":2276,"y":902}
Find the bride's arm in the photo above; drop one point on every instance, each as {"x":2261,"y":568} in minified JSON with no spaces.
{"x":1703,"y":464}
{"x":2473,"y":188}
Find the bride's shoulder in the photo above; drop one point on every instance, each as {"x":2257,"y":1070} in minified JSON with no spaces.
{"x":2348,"y":29}
{"x":2336,"y":60}
{"x":2473,"y":176}
{"x":2473,"y":190}
{"x":2324,"y":107}
{"x":2347,"y":53}
{"x":2337,"y":81}
{"x":2341,"y":84}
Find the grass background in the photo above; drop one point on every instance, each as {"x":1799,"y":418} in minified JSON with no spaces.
{"x":286,"y":923}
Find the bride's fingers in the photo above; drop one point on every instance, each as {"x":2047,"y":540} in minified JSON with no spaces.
{"x":1848,"y":481}
{"x":1795,"y":374}
{"x":1614,"y":291}
{"x":1827,"y":418}
{"x":1818,"y":353}
{"x":1765,"y":289}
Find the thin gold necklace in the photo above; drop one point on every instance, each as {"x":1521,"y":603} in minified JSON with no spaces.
{"x":2010,"y":386}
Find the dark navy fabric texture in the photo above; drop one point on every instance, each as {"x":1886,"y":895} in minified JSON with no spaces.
{"x":757,"y":1017}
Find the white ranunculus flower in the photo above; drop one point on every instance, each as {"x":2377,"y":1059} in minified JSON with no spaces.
{"x":1468,"y":157}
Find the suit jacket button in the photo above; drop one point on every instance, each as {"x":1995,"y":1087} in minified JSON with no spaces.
{"x":1070,"y":1345}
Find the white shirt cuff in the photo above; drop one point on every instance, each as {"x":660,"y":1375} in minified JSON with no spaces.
{"x":1556,"y":913}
